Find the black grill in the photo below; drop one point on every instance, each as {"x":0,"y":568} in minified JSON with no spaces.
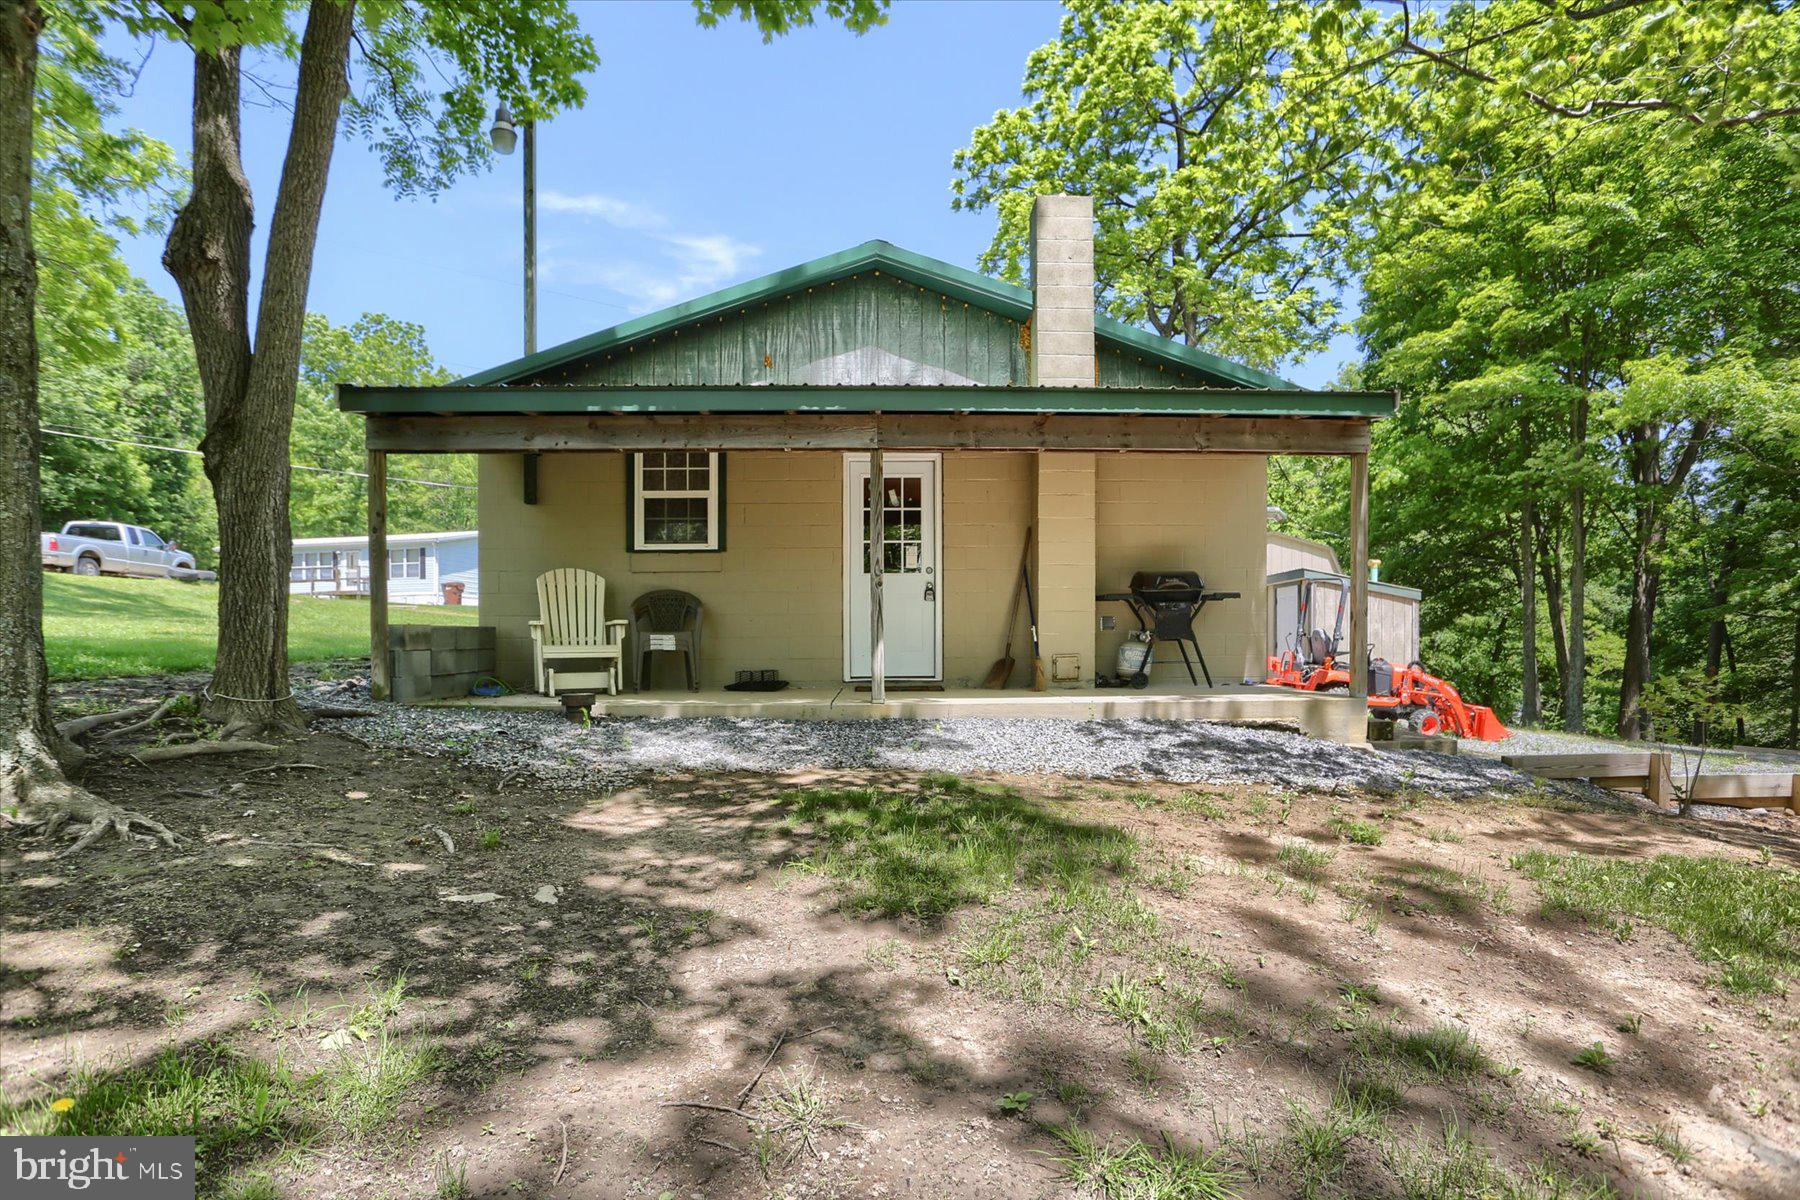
{"x":1172,"y":598}
{"x":1166,"y":604}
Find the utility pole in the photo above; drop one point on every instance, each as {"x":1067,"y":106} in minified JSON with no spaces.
{"x":531,"y":237}
{"x":504,"y":135}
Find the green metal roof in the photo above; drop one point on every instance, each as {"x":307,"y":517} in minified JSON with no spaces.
{"x":1007,"y":299}
{"x":455,"y":398}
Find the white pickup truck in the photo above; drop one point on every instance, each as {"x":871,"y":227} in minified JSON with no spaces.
{"x":114,"y":548}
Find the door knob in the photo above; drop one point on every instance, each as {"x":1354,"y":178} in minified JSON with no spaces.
{"x":931,"y":591}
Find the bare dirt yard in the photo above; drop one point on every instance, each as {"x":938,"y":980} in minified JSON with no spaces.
{"x":374,"y":973}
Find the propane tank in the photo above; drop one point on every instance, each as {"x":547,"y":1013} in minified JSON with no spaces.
{"x":1134,"y":654}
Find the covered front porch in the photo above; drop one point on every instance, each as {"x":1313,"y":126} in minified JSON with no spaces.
{"x":1098,"y":483}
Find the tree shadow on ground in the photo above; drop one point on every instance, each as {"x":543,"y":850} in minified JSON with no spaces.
{"x":683,"y":950}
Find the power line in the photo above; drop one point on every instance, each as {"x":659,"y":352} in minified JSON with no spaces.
{"x":483,"y":276}
{"x":91,"y":437}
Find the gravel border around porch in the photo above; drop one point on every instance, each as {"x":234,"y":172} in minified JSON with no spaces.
{"x":560,"y":753}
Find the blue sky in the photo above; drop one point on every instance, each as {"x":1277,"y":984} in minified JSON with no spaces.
{"x":703,"y":157}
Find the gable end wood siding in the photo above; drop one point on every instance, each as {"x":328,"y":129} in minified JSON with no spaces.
{"x":1136,"y":350}
{"x":870,"y":329}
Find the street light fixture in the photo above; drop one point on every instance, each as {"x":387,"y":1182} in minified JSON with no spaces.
{"x":504,"y":135}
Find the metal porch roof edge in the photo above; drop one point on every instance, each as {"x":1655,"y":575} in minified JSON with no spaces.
{"x":1241,"y":402}
{"x":1376,"y":586}
{"x":1008,"y":299}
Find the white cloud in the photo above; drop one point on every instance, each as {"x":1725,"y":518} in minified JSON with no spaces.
{"x":672,"y":265}
{"x":714,"y":256}
{"x":622,"y":214}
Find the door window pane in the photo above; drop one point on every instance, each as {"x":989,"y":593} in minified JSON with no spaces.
{"x":902,"y":525}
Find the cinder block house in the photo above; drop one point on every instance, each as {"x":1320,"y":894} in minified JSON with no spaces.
{"x":724,"y":447}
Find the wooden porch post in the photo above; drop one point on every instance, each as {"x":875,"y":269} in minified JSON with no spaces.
{"x":1359,"y":574}
{"x":877,"y":555}
{"x":381,"y":684}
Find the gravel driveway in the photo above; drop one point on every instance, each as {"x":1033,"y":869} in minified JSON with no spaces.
{"x":611,"y":752}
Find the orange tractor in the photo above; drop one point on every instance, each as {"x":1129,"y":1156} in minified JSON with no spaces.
{"x":1429,"y":705}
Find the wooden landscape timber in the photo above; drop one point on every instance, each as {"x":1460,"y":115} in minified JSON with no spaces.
{"x":1652,"y":775}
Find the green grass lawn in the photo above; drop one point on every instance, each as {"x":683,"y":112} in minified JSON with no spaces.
{"x":99,"y":627}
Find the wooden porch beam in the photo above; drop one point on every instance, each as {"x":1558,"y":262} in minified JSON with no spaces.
{"x":877,"y":565}
{"x":1359,"y":574}
{"x":381,"y":683}
{"x":532,"y":433}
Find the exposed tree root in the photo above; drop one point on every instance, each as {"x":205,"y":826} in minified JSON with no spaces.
{"x":102,"y":818}
{"x":161,"y":711}
{"x":157,"y":754}
{"x":335,"y":711}
{"x":277,"y":767}
{"x":234,"y":731}
{"x":35,"y":795}
{"x":76,"y":726}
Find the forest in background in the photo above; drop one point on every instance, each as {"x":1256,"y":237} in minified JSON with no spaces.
{"x":1592,"y":329}
{"x":1567,"y":234}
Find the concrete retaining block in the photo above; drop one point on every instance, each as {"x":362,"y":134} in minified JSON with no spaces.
{"x":434,"y":662}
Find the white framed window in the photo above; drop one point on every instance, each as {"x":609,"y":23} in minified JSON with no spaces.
{"x":407,"y":562}
{"x":676,"y":500}
{"x":311,"y":566}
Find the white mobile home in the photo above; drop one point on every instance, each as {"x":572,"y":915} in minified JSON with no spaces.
{"x":423,"y":568}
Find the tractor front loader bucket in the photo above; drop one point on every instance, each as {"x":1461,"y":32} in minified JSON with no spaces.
{"x":1484,"y":725}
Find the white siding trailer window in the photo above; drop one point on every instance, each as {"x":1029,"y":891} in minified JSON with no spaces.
{"x":311,"y":566}
{"x":407,"y":562}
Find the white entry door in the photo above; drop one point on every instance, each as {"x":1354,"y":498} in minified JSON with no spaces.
{"x":912,"y":577}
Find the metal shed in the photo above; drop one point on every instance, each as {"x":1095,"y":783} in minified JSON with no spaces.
{"x":1393,"y":612}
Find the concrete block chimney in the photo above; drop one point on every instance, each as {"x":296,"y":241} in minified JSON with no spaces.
{"x":1062,"y":286}
{"x":1062,"y":355}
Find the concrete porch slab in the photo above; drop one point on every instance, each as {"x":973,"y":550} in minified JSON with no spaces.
{"x":1337,"y":718}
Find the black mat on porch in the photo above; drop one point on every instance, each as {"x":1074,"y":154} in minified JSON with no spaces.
{"x":906,"y":687}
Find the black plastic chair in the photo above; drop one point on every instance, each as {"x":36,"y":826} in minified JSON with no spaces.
{"x":673,"y":617}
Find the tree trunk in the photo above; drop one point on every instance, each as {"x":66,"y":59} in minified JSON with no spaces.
{"x":28,"y":741}
{"x":250,"y":393}
{"x":1793,"y":736}
{"x":1641,"y":614}
{"x":33,"y":788}
{"x":1550,"y":569}
{"x":1646,"y":452}
{"x":1653,"y":493}
{"x":1721,"y":600}
{"x":1530,"y":704}
{"x":1574,"y":681}
{"x":1743,"y":733}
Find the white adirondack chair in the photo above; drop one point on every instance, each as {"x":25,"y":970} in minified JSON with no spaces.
{"x":572,"y":624}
